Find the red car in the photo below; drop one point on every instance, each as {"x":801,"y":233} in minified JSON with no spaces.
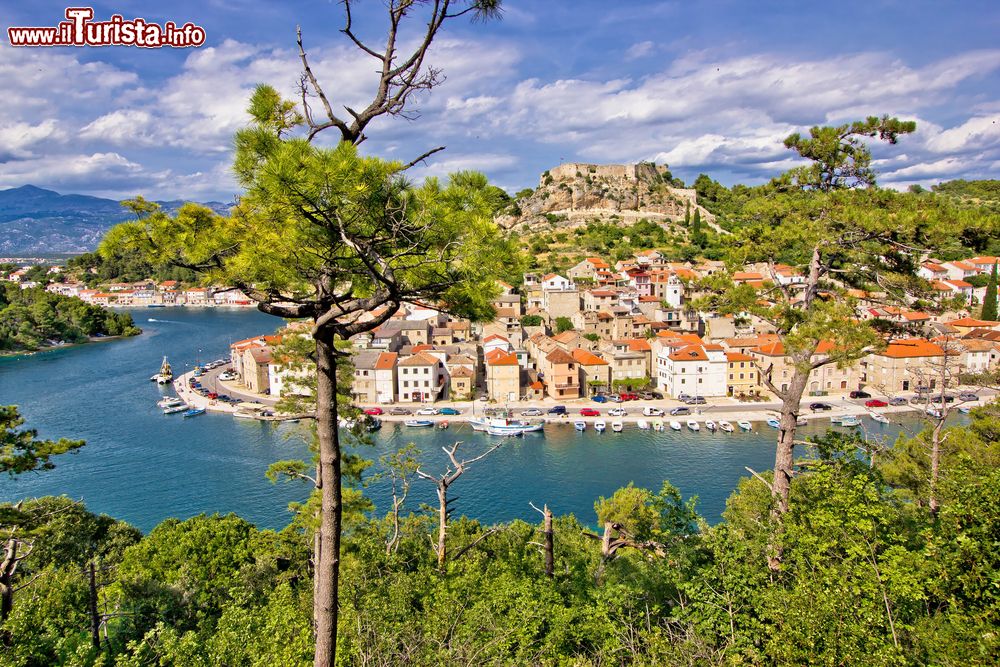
{"x":590,"y":412}
{"x":875,"y":403}
{"x":374,"y":412}
{"x":628,"y":396}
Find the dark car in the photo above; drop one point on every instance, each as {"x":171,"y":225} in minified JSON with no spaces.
{"x":400,"y":411}
{"x":968,"y":396}
{"x":650,"y":395}
{"x":557,"y":410}
{"x":860,"y":394}
{"x":949,"y":398}
{"x":680,"y":411}
{"x":820,"y":406}
{"x":449,"y":411}
{"x":897,"y":400}
{"x":600,"y":398}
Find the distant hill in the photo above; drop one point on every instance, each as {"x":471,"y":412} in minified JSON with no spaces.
{"x":36,"y":220}
{"x":979,"y":191}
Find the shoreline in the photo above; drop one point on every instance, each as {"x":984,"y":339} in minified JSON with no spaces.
{"x":50,"y":348}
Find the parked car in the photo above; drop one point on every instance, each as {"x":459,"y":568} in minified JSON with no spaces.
{"x":948,"y":398}
{"x":557,"y":410}
{"x":449,"y":411}
{"x":684,"y":398}
{"x":628,"y":396}
{"x":428,"y":411}
{"x":697,"y":400}
{"x":919,"y":399}
{"x":680,"y":411}
{"x":968,"y":396}
{"x":599,"y":398}
{"x":374,"y":412}
{"x":815,"y":407}
{"x":897,"y":400}
{"x":212,"y":395}
{"x":860,"y":394}
{"x":400,"y":411}
{"x":650,"y":411}
{"x":875,"y":403}
{"x":618,"y":412}
{"x":650,"y":395}
{"x":614,"y":398}
{"x":531,"y":412}
{"x":590,"y":412}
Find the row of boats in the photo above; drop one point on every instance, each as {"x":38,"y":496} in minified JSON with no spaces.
{"x":673,"y":424}
{"x":172,"y":405}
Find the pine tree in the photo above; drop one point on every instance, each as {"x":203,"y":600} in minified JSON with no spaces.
{"x":698,"y":237}
{"x":687,"y":215}
{"x":990,"y":301}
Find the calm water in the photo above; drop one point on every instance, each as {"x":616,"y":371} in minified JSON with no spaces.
{"x":142,"y":466}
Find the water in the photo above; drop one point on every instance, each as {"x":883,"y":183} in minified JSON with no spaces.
{"x":142,"y":466}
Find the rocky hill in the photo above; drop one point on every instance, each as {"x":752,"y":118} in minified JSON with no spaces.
{"x":575,"y":193}
{"x":36,"y":220}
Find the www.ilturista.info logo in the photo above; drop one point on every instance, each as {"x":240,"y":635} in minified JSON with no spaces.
{"x":80,"y":30}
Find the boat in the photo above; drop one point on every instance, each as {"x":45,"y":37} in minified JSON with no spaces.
{"x":643,"y":425}
{"x":617,"y":427}
{"x":710,"y":425}
{"x":501,"y":426}
{"x":174,"y":409}
{"x":443,"y":424}
{"x":169,"y":402}
{"x":506,"y":433}
{"x":881,"y":419}
{"x":725,"y":426}
{"x":533,"y":428}
{"x":965,"y":409}
{"x":657,"y":424}
{"x":675,"y":425}
{"x":599,"y":426}
{"x":745,"y":425}
{"x":801,"y":421}
{"x":835,"y":419}
{"x":580,"y":426}
{"x":934,"y":412}
{"x":693,"y":425}
{"x":165,"y":376}
{"x":418,"y":423}
{"x":849,"y":421}
{"x":243,"y":414}
{"x":194,"y":412}
{"x":373,"y":423}
{"x":773,"y":422}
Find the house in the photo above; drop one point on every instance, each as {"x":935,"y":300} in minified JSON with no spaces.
{"x":374,"y":376}
{"x":255,"y":372}
{"x":905,"y":365}
{"x":588,"y":269}
{"x":595,"y":372}
{"x":419,"y":378}
{"x":629,"y":360}
{"x":495,"y":342}
{"x":828,"y":378}
{"x":696,"y":370}
{"x":967,"y":324}
{"x":461,"y":383}
{"x":555,"y":282}
{"x":560,"y":374}
{"x":503,"y":376}
{"x":742,"y":376}
{"x":932,"y":271}
{"x":599,"y":299}
{"x":196,"y":296}
{"x":959,"y":270}
{"x":984,"y":265}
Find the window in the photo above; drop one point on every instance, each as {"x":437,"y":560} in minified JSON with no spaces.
{"x":427,"y":383}
{"x":406,"y":383}
{"x":741,"y":376}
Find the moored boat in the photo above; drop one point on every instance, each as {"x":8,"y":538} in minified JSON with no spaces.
{"x":675,"y":425}
{"x":165,"y":376}
{"x":642,"y":424}
{"x":418,"y":423}
{"x":745,"y":425}
{"x":710,"y":425}
{"x":657,"y":424}
{"x":773,"y":422}
{"x":617,"y":427}
{"x":725,"y":426}
{"x":507,"y":433}
{"x":693,"y":425}
{"x":965,"y":409}
{"x":194,"y":412}
{"x":169,"y":402}
{"x":174,"y":409}
{"x":801,"y":421}
{"x":849,"y":421}
{"x":599,"y":426}
{"x":880,"y":418}
{"x":580,"y":425}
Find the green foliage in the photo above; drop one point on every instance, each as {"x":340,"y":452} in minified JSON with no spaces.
{"x":990,"y":299}
{"x":21,"y":451}
{"x":563,"y":324}
{"x":34,"y":318}
{"x":593,"y":337}
{"x":531,"y":320}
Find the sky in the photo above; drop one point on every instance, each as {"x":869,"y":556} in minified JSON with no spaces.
{"x":705,"y":87}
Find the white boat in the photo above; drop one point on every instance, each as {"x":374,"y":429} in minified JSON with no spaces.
{"x":965,"y":409}
{"x":580,"y":425}
{"x":881,"y":419}
{"x":599,"y":426}
{"x":617,"y":427}
{"x":725,"y":426}
{"x":657,"y":424}
{"x":745,"y":425}
{"x":241,"y":414}
{"x":642,"y":424}
{"x":674,"y":424}
{"x":801,"y":421}
{"x":504,"y":432}
{"x":710,"y":425}
{"x":169,"y":402}
{"x":165,"y":376}
{"x":849,"y":421}
{"x":174,"y":409}
{"x":934,"y":412}
{"x":500,"y":426}
{"x":693,"y":425}
{"x":418,"y":423}
{"x":773,"y":422}
{"x":533,"y":428}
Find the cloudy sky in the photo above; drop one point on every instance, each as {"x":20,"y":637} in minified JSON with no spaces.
{"x":710,"y":86}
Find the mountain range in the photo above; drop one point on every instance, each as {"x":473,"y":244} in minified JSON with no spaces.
{"x":34,"y":220}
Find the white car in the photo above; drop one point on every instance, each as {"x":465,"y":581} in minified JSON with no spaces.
{"x":427,"y":411}
{"x":618,"y":412}
{"x":227,"y":376}
{"x":650,"y":411}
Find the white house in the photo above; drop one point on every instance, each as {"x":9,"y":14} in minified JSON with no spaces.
{"x":555,"y":282}
{"x":932,"y":271}
{"x":696,"y":370}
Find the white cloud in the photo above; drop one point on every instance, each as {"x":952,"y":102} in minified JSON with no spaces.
{"x":639,"y":50}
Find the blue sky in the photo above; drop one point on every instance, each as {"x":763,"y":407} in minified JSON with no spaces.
{"x":703,"y":86}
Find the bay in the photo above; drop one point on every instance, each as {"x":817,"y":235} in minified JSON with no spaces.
{"x":142,"y":466}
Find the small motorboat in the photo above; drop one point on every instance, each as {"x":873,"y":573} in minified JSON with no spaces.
{"x":174,"y":409}
{"x":617,"y":427}
{"x":580,"y":425}
{"x":881,"y":419}
{"x":745,"y":425}
{"x":418,"y":423}
{"x":533,"y":428}
{"x":710,"y":425}
{"x":657,"y":424}
{"x":801,"y":421}
{"x":642,"y":424}
{"x":693,"y":425}
{"x":169,"y":402}
{"x":965,"y":409}
{"x":505,"y":432}
{"x":443,"y":424}
{"x":675,"y":425}
{"x":850,"y":421}
{"x":599,"y":426}
{"x":194,"y":412}
{"x":725,"y":426}
{"x":934,"y":412}
{"x":773,"y":422}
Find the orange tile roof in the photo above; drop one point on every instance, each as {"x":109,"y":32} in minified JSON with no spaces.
{"x":690,"y":353}
{"x":500,"y":358}
{"x":559,"y":356}
{"x":386,"y":361}
{"x":959,"y":283}
{"x":747,"y":275}
{"x":738,"y":356}
{"x":462,"y":372}
{"x":935,"y":268}
{"x":970,"y":322}
{"x":911,"y":348}
{"x":585,"y":358}
{"x":420,"y":359}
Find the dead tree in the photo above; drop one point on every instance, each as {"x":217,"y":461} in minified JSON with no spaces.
{"x":15,"y":551}
{"x":614,"y":538}
{"x":548,"y":547}
{"x":442,"y":483}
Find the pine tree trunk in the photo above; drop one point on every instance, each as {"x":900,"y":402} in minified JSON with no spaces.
{"x":442,"y":523}
{"x":549,"y":547}
{"x":933,"y":502}
{"x":328,"y":559}
{"x":784,"y":455}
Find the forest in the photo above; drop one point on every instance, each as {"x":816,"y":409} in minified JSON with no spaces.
{"x":33,"y":318}
{"x":871,"y":575}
